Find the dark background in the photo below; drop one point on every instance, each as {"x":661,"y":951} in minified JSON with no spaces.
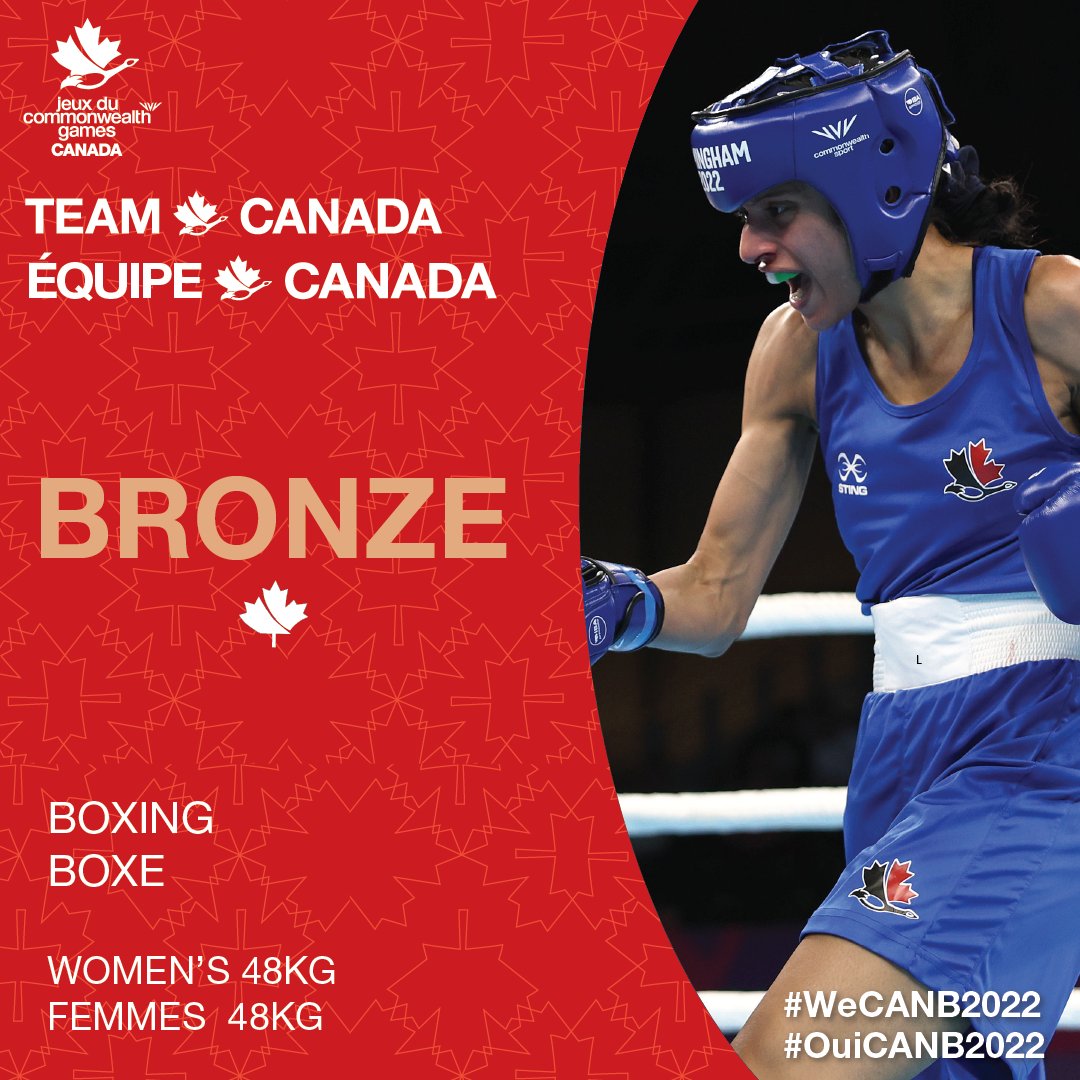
{"x":675,"y":320}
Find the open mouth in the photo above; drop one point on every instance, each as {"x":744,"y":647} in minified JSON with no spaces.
{"x":794,"y":280}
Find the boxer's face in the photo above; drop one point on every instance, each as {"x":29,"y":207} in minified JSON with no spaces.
{"x":793,"y":229}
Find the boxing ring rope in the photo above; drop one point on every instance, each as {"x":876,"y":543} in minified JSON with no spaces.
{"x":795,"y":614}
{"x":818,"y":809}
{"x":772,"y":810}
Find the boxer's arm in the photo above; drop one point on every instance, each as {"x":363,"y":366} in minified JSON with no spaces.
{"x":708,"y":599}
{"x":1049,"y":502}
{"x":1052,"y":314}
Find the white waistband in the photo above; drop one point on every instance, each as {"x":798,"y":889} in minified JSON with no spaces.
{"x":922,"y":640}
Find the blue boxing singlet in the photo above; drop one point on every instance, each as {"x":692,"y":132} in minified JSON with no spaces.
{"x":967,"y":764}
{"x":923,"y":493}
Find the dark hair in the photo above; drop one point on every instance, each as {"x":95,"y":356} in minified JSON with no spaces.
{"x":967,"y":210}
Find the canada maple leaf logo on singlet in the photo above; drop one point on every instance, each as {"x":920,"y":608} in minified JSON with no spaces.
{"x":883,"y":892}
{"x":976,"y":475}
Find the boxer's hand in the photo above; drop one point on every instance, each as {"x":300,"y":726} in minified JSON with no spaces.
{"x":624,"y":610}
{"x":1050,"y":536}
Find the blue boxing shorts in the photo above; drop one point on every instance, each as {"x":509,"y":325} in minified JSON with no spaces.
{"x":962,"y":826}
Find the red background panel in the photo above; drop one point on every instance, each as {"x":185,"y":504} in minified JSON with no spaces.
{"x":413,"y":781}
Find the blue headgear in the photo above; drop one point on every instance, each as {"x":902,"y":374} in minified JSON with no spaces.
{"x":859,"y":122}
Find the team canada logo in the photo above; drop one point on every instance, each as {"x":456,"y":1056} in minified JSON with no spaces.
{"x":885,"y":893}
{"x":197,"y":215}
{"x":85,"y":124}
{"x":976,"y":475}
{"x":239,"y":281}
{"x":89,"y":58}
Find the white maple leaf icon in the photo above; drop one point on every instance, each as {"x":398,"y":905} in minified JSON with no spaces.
{"x":201,"y":207}
{"x":238,"y":281}
{"x":88,"y":60}
{"x":272,"y":614}
{"x":197,"y":217}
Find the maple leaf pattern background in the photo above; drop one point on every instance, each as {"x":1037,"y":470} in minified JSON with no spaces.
{"x":413,"y":780}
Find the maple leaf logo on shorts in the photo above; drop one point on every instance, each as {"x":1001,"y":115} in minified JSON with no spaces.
{"x":884,"y":894}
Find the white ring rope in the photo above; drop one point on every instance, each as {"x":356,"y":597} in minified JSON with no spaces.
{"x":769,"y":810}
{"x":790,"y":614}
{"x":805,"y":809}
{"x":786,"y":809}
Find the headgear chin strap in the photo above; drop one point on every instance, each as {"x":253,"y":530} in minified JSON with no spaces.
{"x":857,"y":121}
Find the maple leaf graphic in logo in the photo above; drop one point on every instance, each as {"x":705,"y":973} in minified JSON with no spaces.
{"x":197,"y":217}
{"x":985,"y":468}
{"x":976,"y":475}
{"x":272,"y":614}
{"x":897,"y":888}
{"x":883,"y":893}
{"x":88,"y":61}
{"x":238,"y":281}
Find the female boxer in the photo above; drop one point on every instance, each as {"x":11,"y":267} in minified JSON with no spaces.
{"x":933,"y":357}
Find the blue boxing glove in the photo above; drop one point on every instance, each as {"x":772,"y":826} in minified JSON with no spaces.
{"x":624,"y":610}
{"x":1050,"y":536}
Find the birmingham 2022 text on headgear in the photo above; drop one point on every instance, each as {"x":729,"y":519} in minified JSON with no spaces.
{"x":861,"y":123}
